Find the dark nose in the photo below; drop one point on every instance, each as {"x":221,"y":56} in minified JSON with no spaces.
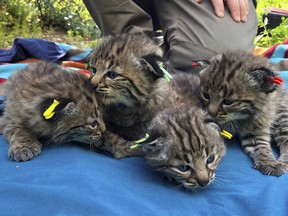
{"x":203,"y":182}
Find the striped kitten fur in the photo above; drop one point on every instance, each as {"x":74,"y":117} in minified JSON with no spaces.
{"x":30,"y":91}
{"x":125,"y":77}
{"x":238,"y":91}
{"x":183,"y":144}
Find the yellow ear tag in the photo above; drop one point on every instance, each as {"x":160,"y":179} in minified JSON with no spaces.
{"x":226,"y":134}
{"x":49,"y":112}
{"x":137,"y":142}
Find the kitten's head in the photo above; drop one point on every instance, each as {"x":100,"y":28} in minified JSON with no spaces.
{"x":185,"y":146}
{"x":78,"y":120}
{"x":124,"y":68}
{"x":236,"y":85}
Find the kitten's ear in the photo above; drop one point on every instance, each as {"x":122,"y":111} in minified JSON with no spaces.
{"x":266,"y":78}
{"x":153,"y":145}
{"x":153,"y":64}
{"x":201,"y":63}
{"x":50,"y":106}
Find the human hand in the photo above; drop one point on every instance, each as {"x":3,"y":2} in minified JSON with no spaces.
{"x":238,"y":8}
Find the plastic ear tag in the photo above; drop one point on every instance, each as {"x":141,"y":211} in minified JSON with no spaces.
{"x":277,"y":80}
{"x":226,"y":134}
{"x":49,"y":112}
{"x":167,"y":75}
{"x":137,"y":142}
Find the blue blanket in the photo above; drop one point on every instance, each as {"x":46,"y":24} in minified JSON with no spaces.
{"x":71,"y":180}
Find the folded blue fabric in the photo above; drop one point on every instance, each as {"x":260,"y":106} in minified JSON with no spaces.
{"x":32,"y":48}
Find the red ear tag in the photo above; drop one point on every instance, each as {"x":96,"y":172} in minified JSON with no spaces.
{"x":277,"y":80}
{"x":194,"y":64}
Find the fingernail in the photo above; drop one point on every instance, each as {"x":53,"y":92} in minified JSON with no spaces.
{"x":244,"y":19}
{"x":237,"y":19}
{"x":220,"y":13}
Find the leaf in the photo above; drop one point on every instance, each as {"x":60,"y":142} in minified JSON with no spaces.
{"x":258,"y":38}
{"x":266,"y":21}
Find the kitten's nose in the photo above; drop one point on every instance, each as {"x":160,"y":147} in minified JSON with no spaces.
{"x":213,"y":110}
{"x":202,"y":182}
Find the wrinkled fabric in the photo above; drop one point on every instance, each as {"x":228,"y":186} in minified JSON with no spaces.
{"x":23,"y":48}
{"x":71,"y":180}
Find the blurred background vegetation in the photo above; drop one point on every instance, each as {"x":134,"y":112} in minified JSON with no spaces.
{"x":55,"y":20}
{"x":69,"y":21}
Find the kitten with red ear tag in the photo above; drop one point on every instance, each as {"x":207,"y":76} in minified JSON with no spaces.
{"x":246,"y":97}
{"x":46,"y":103}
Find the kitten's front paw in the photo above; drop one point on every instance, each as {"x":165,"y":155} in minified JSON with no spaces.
{"x":274,"y":168}
{"x":24,"y":152}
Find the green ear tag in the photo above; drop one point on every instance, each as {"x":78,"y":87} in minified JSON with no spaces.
{"x":138,"y":142}
{"x":167,"y":75}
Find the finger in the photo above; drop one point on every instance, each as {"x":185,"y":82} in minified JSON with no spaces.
{"x":244,"y":9}
{"x":198,"y":1}
{"x":218,"y":7}
{"x":234,"y":8}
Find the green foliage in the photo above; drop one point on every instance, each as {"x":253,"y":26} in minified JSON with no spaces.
{"x":69,"y":21}
{"x":66,"y":20}
{"x":271,"y":36}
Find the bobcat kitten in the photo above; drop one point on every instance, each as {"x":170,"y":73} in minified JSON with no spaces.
{"x":124,"y":75}
{"x":184,"y":144}
{"x":241,"y":92}
{"x":46,"y":103}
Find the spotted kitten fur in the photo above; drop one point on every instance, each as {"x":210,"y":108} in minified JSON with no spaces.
{"x":238,"y":91}
{"x":30,"y":91}
{"x":183,"y":144}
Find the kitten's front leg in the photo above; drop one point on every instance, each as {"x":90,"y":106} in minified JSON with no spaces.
{"x":259,"y":149}
{"x":119,"y":147}
{"x":281,"y":135}
{"x":23,"y":144}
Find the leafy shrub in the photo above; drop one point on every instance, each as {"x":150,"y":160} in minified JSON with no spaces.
{"x":45,"y":19}
{"x":271,"y":36}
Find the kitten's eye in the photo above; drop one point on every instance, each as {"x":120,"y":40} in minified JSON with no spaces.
{"x":183,"y":168}
{"x":94,"y":124}
{"x":227,"y":102}
{"x":111,"y":74}
{"x":92,"y":69}
{"x":206,"y":96}
{"x":210,"y":159}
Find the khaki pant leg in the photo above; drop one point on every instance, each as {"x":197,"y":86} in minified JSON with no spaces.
{"x":193,"y":31}
{"x":118,"y":16}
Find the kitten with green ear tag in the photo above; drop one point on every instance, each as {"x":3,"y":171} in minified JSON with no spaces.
{"x":185,"y":145}
{"x":245,"y":96}
{"x":46,"y":103}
